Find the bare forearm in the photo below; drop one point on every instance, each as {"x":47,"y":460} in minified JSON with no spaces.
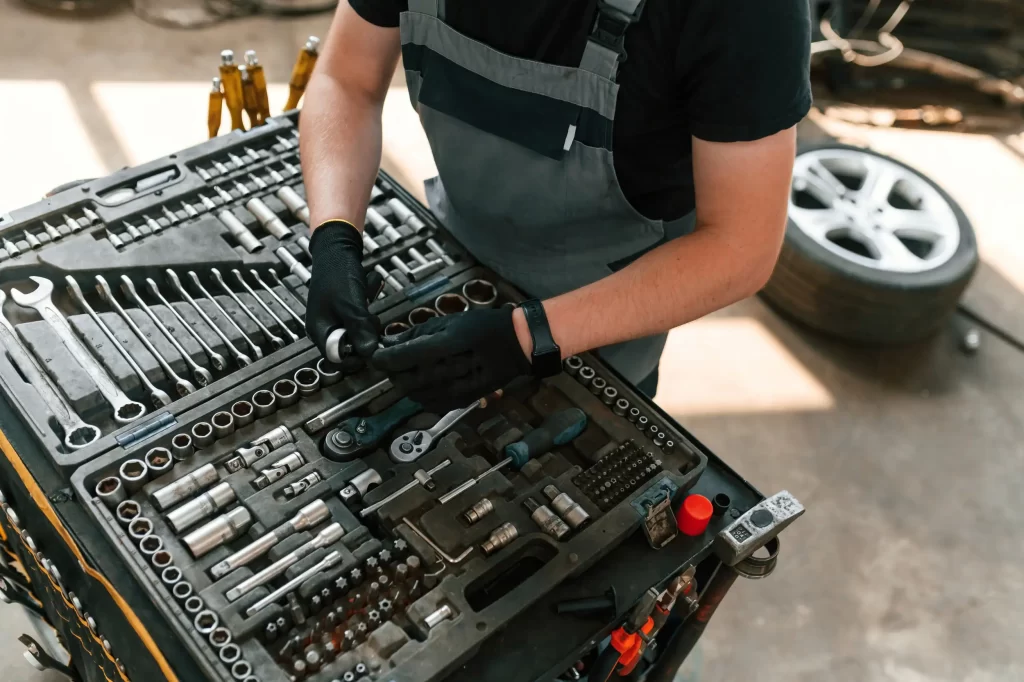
{"x":341,"y":146}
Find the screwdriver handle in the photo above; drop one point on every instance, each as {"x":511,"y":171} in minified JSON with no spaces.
{"x":557,"y":429}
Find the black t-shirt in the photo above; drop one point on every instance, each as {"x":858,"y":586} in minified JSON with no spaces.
{"x":719,"y":70}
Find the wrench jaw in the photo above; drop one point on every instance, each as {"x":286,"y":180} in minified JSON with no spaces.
{"x":81,"y":436}
{"x":128,"y":412}
{"x":203,"y":377}
{"x":159,"y":398}
{"x":184,"y":387}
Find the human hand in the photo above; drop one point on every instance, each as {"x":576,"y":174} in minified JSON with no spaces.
{"x":448,"y":362}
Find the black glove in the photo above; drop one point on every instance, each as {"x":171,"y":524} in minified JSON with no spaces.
{"x":338,"y":289}
{"x":448,"y":362}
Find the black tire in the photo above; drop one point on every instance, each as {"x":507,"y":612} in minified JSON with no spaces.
{"x":841,"y":298}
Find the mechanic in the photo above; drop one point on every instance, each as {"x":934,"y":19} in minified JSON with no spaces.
{"x":625,"y":162}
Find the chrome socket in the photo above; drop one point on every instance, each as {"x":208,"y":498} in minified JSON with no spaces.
{"x":240,"y":670}
{"x":659,"y":439}
{"x":609,"y":395}
{"x":127,"y":511}
{"x":308,"y":381}
{"x":585,"y":375}
{"x":669,"y":446}
{"x":328,"y":375}
{"x":396,"y":328}
{"x":223,"y":425}
{"x":572,"y":365}
{"x":265,"y":403}
{"x":202,"y":435}
{"x":480,"y":293}
{"x":268,"y":219}
{"x":445,"y":612}
{"x":170,"y":576}
{"x":181,"y":447}
{"x":182,"y":589}
{"x":206,"y":622}
{"x":621,"y":407}
{"x":243,"y":413}
{"x":134,"y":473}
{"x":546,"y":519}
{"x":161,"y":559}
{"x":478,"y":511}
{"x":421,"y":315}
{"x":194,"y":511}
{"x":159,"y":461}
{"x":641,"y":424}
{"x":186,"y":486}
{"x":111,"y":492}
{"x":150,"y":545}
{"x":215,"y":533}
{"x":220,"y":636}
{"x":240,"y":232}
{"x":193,"y":605}
{"x":139,"y":528}
{"x":570,"y":511}
{"x":286,"y":392}
{"x":633,"y":415}
{"x":229,"y":653}
{"x":597,"y":385}
{"x":450,"y":304}
{"x":502,"y":536}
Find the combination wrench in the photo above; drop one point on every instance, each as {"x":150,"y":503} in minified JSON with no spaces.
{"x":159,"y":398}
{"x":77,"y":434}
{"x":411,"y":446}
{"x":125,"y":409}
{"x":276,"y":342}
{"x":201,"y":375}
{"x":241,"y":358}
{"x":288,"y":332}
{"x":216,"y":359}
{"x":277,"y":298}
{"x":216,"y":304}
{"x":183,"y":386}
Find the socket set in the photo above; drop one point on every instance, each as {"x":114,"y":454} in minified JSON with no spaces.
{"x":288,"y":517}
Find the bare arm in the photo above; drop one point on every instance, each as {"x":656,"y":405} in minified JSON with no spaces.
{"x":741,"y":190}
{"x":340,"y":123}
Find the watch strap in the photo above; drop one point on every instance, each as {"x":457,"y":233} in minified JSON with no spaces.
{"x":546,"y":355}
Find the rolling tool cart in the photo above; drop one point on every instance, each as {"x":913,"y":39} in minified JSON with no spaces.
{"x":192,"y":492}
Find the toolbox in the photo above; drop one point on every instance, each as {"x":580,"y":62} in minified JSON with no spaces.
{"x":274,"y":516}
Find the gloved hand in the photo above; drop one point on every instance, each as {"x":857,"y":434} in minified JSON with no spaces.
{"x":448,"y":362}
{"x":338,"y":289}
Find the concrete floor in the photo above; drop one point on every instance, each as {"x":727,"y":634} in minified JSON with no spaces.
{"x":907,"y":565}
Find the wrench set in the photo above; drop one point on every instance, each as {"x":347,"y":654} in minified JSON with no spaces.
{"x":294,"y":517}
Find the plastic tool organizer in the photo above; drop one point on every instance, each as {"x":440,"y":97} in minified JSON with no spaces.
{"x":275,"y":514}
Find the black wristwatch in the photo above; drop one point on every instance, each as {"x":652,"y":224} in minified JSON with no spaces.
{"x":546,"y":356}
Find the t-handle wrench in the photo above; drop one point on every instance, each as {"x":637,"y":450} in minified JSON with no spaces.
{"x":216,"y":359}
{"x":411,"y":446}
{"x":183,"y":386}
{"x":126,"y":410}
{"x":201,"y":375}
{"x":241,"y":358}
{"x":77,"y":434}
{"x":159,"y":397}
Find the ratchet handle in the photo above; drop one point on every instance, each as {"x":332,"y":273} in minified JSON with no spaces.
{"x":380,"y":425}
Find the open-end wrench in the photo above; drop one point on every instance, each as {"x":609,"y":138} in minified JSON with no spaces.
{"x":288,"y":332}
{"x":241,"y":358}
{"x":277,"y":298}
{"x":200,"y":374}
{"x":411,"y":446}
{"x":126,"y":410}
{"x":216,"y":304}
{"x":216,"y":359}
{"x":159,"y":397}
{"x":181,"y":385}
{"x":276,"y":342}
{"x":77,"y":434}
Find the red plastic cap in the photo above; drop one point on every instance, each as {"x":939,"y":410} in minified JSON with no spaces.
{"x":694,"y":514}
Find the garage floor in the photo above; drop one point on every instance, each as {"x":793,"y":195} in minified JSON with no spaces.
{"x":907,"y":565}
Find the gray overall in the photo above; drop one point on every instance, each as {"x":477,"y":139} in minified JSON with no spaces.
{"x":523,"y":151}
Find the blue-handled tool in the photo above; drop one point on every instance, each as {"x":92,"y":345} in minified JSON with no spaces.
{"x":361,"y":434}
{"x":558,"y":429}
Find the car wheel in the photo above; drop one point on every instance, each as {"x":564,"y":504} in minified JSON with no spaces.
{"x":874,"y":252}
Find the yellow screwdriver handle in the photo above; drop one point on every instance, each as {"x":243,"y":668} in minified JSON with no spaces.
{"x":249,"y":98}
{"x":216,"y":104}
{"x":231,"y":78}
{"x":259,"y":82}
{"x":302,"y":71}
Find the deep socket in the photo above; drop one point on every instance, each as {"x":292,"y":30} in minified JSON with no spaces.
{"x":194,"y":511}
{"x":139,"y":528}
{"x":223,"y":424}
{"x":111,"y":492}
{"x":186,"y":486}
{"x":307,"y":380}
{"x":449,"y":304}
{"x":328,"y":373}
{"x":134,"y":473}
{"x":181,"y":447}
{"x":287,"y":392}
{"x":217,"y":532}
{"x":570,"y":511}
{"x":202,"y":435}
{"x":421,"y":315}
{"x":159,"y":461}
{"x":480,"y":293}
{"x":127,"y":511}
{"x":243,"y":413}
{"x":268,"y":219}
{"x":265,"y":403}
{"x":396,"y":328}
{"x":309,"y":516}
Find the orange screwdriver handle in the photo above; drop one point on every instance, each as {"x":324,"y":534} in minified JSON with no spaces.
{"x":302,"y":71}
{"x":216,"y":105}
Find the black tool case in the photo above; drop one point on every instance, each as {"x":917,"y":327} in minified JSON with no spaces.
{"x":406,"y":592}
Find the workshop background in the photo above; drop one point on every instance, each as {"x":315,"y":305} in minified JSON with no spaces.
{"x":908,"y":565}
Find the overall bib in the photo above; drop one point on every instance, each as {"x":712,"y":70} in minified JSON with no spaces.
{"x":526,"y":179}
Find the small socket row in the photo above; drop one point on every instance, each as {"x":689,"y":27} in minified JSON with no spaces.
{"x":477,"y":293}
{"x":50,"y":233}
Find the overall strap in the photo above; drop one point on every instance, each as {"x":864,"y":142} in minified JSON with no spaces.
{"x":606,"y":46}
{"x":434,"y":8}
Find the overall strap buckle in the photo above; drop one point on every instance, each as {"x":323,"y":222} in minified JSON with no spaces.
{"x":613,"y":18}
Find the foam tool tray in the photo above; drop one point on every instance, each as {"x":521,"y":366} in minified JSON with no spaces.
{"x":175,"y":281}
